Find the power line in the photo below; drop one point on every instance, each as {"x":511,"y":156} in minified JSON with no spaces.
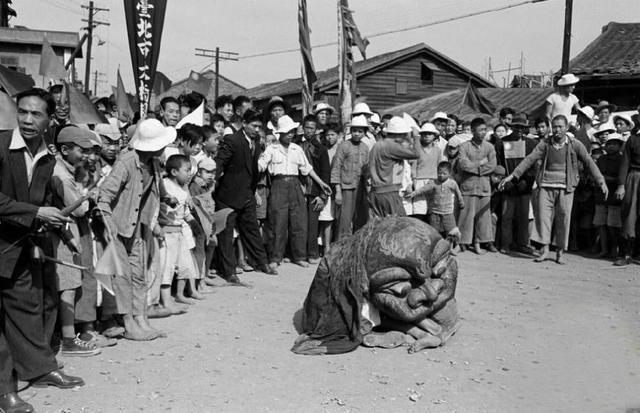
{"x":404,"y":29}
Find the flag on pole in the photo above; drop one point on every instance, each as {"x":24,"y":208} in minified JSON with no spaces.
{"x":308,"y":70}
{"x":8,"y":112}
{"x":122,"y":101}
{"x":145,"y":20}
{"x":196,"y":117}
{"x":348,"y":36}
{"x":14,"y":82}
{"x":81,"y":110}
{"x":51,"y":66}
{"x":474,"y":100}
{"x":199,"y":83}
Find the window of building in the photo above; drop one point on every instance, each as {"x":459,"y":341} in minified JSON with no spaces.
{"x":428,"y":70}
{"x":402,"y":86}
{"x":12,"y":62}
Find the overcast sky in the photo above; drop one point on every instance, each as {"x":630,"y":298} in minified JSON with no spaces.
{"x":256,"y":26}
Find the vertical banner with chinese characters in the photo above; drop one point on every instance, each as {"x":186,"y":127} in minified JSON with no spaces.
{"x":145,"y":19}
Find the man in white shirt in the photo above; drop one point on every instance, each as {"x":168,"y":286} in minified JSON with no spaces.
{"x":287,"y":221}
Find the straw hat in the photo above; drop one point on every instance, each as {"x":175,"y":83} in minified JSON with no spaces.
{"x":359,"y":122}
{"x":428,"y":127}
{"x":361,"y":109}
{"x":323,"y":106}
{"x":587,"y":111}
{"x":625,"y":117}
{"x":276,"y":101}
{"x":615,"y":137}
{"x":375,"y":119}
{"x":151,"y":135}
{"x":286,"y":124}
{"x":568,"y":79}
{"x":520,"y":121}
{"x":397,"y":125}
{"x":605,"y":127}
{"x":439,"y":116}
{"x":109,"y":130}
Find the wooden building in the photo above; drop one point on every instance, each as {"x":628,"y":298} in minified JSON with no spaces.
{"x":609,"y":67}
{"x":383,"y":81}
{"x":20,"y":49}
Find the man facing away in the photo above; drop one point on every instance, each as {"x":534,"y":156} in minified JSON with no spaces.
{"x":557,"y":180}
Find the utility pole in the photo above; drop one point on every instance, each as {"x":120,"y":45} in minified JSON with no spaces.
{"x":6,"y":12}
{"x":566,"y":46}
{"x":91,"y":24}
{"x":218,"y":55}
{"x":96,"y":80}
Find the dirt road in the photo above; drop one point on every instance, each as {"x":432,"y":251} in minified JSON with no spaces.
{"x":535,"y":338}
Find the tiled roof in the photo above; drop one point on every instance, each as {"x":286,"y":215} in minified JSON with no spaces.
{"x":27,"y":36}
{"x":615,"y":52}
{"x":329,"y":78}
{"x":530,"y":101}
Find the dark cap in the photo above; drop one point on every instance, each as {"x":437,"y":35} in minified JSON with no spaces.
{"x":78,"y":136}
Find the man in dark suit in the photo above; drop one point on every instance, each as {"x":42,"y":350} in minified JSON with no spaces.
{"x":26,"y":166}
{"x":236,"y":182}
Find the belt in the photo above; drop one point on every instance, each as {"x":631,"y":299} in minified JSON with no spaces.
{"x":284,"y":177}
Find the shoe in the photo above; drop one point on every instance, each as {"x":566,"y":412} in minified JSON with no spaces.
{"x":233,"y":279}
{"x":286,"y":260}
{"x":505,"y":251}
{"x":58,"y":379}
{"x":246,"y":268}
{"x":12,"y":403}
{"x":155,"y":311}
{"x":78,"y":348}
{"x":239,"y":270}
{"x":463,"y":247}
{"x":622,"y":261}
{"x":492,"y":248}
{"x":267,"y":269}
{"x":303,"y":264}
{"x":477,"y":249}
{"x":314,"y":261}
{"x":98,"y":339}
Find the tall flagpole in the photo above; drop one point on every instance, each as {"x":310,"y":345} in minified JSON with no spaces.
{"x":344,"y":89}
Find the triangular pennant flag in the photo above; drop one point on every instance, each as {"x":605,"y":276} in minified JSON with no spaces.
{"x":477,"y":102}
{"x":122,"y":101}
{"x":8,"y":112}
{"x":196,"y":117}
{"x":109,"y":265}
{"x":161,"y":83}
{"x":81,"y":110}
{"x":51,"y":66}
{"x":14,"y":82}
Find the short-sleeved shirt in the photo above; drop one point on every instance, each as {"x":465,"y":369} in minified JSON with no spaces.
{"x":175,"y":216}
{"x":279,"y":161}
{"x":562,"y":105}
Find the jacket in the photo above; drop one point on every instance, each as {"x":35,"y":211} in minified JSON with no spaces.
{"x":524,"y":185}
{"x":348,"y":163}
{"x":576,"y":153}
{"x":121,"y":194}
{"x":19,"y":201}
{"x":318,"y":157}
{"x":237,"y":171}
{"x":475,"y":179}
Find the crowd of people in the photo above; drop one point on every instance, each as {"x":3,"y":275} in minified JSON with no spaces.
{"x":105,"y":226}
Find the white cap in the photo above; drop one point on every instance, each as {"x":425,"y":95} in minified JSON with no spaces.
{"x":428,"y":127}
{"x":286,"y":124}
{"x":397,"y":125}
{"x":361,"y":109}
{"x":151,"y":135}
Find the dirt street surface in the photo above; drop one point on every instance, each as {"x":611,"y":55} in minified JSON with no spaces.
{"x":535,"y":338}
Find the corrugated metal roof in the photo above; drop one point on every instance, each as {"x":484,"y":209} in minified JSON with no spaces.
{"x":615,"y":52}
{"x":329,"y":78}
{"x":28,"y":36}
{"x":530,"y":101}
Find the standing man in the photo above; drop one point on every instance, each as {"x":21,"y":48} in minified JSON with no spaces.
{"x":557,"y":180}
{"x":169,"y":111}
{"x":26,"y":166}
{"x":241,"y":104}
{"x":477,"y":160}
{"x":316,"y":197}
{"x":236,"y":183}
{"x":386,"y":167}
{"x":224,"y":107}
{"x":516,"y":197}
{"x":629,"y":192}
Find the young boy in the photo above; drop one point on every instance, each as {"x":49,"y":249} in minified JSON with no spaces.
{"x":327,"y":215}
{"x":350,"y":158}
{"x":442,"y":194}
{"x":425,"y":169}
{"x":608,"y":216}
{"x":189,"y":143}
{"x":74,"y":146}
{"x":177,"y":251}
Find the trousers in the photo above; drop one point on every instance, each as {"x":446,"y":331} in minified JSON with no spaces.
{"x":286,"y":219}
{"x":515,"y":215}
{"x":553,"y":211}
{"x":313,"y":225}
{"x":347,"y":212}
{"x":631,"y":204}
{"x":247,"y":223}
{"x":23,"y":346}
{"x":474,"y":221}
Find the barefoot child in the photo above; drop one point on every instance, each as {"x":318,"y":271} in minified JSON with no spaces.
{"x":74,"y":145}
{"x":176,"y":253}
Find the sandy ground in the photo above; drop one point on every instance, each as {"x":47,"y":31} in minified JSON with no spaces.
{"x":536,"y":338}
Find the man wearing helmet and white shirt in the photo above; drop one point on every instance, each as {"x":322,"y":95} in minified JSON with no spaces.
{"x":440,"y":121}
{"x":362,"y":109}
{"x":563,"y":101}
